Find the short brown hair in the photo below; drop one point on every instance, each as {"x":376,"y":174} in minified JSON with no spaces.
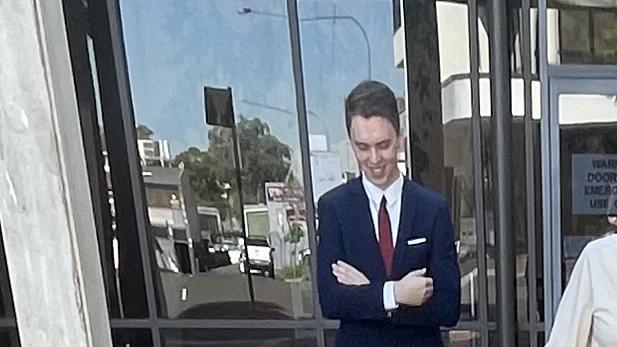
{"x":371,"y":99}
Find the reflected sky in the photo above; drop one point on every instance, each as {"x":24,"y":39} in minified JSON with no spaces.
{"x":174,"y":48}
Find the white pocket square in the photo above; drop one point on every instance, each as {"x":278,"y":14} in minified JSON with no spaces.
{"x":416,"y":241}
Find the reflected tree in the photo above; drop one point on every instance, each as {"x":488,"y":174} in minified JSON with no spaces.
{"x":264,"y":158}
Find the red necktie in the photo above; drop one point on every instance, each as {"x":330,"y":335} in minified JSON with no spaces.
{"x":385,"y":236}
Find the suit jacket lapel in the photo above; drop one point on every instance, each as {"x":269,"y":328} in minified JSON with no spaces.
{"x":408,"y":211}
{"x":366,"y":228}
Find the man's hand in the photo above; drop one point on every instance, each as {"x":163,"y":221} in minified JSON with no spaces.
{"x":414,"y":289}
{"x":349,"y":275}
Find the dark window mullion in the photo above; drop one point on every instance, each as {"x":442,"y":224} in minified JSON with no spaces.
{"x":477,"y":168}
{"x":124,"y":161}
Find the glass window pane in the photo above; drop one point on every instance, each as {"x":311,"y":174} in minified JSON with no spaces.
{"x":587,"y":32}
{"x":238,"y":338}
{"x":131,"y":337}
{"x":9,"y":338}
{"x":523,"y":339}
{"x":456,"y":130}
{"x":357,"y":42}
{"x":330,"y":337}
{"x":207,"y":265}
{"x":6,"y":297}
{"x":450,"y":338}
{"x":522,"y":211}
{"x":461,"y":338}
{"x":492,"y":338}
{"x":588,"y":169}
{"x":605,"y":36}
{"x":519,"y":212}
{"x":575,"y":43}
{"x":541,"y":338}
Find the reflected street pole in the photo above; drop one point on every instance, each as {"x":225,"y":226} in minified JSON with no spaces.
{"x":248,"y":10}
{"x":282,"y":110}
{"x":220,"y":112}
{"x":238,"y":159}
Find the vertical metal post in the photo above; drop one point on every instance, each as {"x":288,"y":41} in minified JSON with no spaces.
{"x":547,"y":170}
{"x":530,"y":186}
{"x":296,"y":56}
{"x":502,"y":130}
{"x":476,"y":133}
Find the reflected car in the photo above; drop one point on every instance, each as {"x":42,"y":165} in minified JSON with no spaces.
{"x":233,"y":250}
{"x":260,"y":257}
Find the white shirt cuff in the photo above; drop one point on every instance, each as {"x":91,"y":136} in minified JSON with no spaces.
{"x":389,"y":302}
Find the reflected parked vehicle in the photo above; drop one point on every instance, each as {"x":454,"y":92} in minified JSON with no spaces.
{"x":260,"y":256}
{"x":233,"y":250}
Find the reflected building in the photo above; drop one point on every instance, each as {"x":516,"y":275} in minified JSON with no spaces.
{"x":175,"y":267}
{"x":174,"y":219}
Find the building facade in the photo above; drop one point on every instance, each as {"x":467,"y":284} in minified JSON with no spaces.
{"x":128,"y":220}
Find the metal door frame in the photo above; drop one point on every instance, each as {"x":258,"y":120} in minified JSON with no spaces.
{"x":571,"y":79}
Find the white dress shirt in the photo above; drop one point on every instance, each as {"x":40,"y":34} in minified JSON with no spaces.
{"x":587,"y":314}
{"x":393,"y":194}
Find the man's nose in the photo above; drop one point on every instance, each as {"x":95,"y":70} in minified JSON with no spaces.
{"x":374,"y":156}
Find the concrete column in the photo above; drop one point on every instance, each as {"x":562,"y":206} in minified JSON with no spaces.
{"x":45,"y":209}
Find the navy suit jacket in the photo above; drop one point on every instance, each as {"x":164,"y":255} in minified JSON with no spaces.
{"x":346,"y":233}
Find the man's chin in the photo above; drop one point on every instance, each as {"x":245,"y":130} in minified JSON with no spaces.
{"x":381,"y":181}
{"x":378,"y":181}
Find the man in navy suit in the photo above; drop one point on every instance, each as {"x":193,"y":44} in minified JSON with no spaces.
{"x":387,"y":265}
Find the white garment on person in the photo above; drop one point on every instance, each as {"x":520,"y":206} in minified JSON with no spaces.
{"x":587,"y":313}
{"x":393,"y":196}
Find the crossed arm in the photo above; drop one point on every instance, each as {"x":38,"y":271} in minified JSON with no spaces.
{"x":346,"y":293}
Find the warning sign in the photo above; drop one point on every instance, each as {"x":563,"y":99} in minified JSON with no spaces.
{"x":594,"y":184}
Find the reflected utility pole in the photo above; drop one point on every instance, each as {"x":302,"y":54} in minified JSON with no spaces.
{"x":220,"y":112}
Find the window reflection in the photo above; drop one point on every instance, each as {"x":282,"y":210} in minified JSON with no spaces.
{"x":452,"y":338}
{"x":461,"y":338}
{"x":238,"y":337}
{"x":588,"y":160}
{"x":9,"y":338}
{"x":6,"y":297}
{"x":588,"y":33}
{"x":458,"y":158}
{"x":205,"y":265}
{"x":457,"y":165}
{"x":524,"y":216}
{"x":357,"y":42}
{"x":131,"y":337}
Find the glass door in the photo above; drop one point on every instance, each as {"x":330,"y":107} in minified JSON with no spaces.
{"x":582,"y":166}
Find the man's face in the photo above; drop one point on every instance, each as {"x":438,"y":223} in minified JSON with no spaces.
{"x":376,"y":144}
